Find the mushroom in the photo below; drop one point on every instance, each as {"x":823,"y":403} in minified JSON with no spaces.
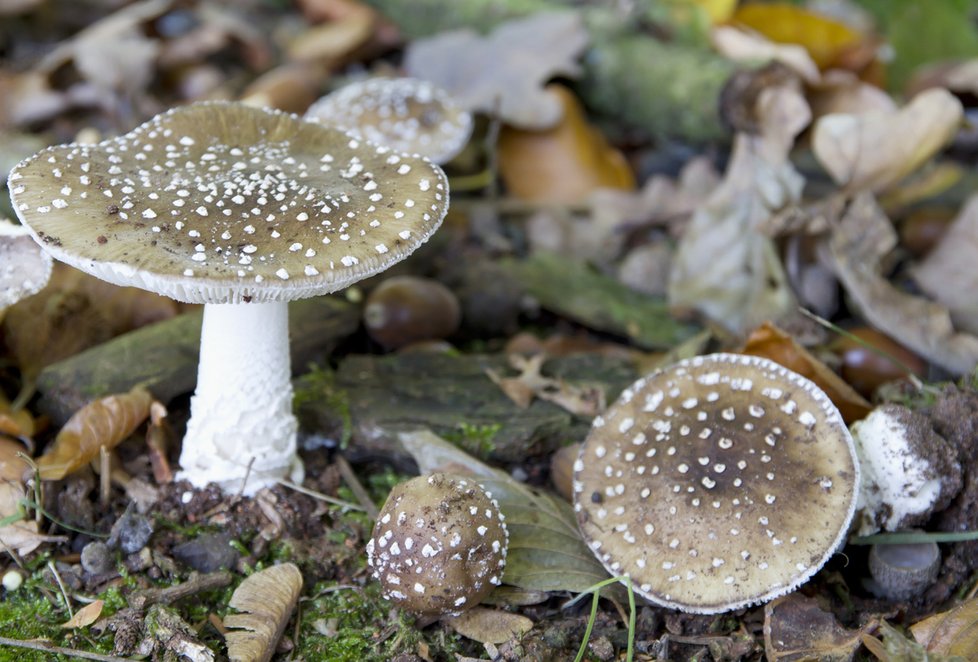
{"x":439,"y":545}
{"x":909,"y":471}
{"x":406,"y":114}
{"x":408,"y":309}
{"x":24,"y":267}
{"x":903,"y":570}
{"x":241,"y":209}
{"x":716,"y":483}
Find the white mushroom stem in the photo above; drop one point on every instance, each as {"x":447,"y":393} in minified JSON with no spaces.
{"x":241,"y":412}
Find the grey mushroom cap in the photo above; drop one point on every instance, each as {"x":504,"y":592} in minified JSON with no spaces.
{"x":406,"y":114}
{"x":220,"y":202}
{"x":716,"y":483}
{"x":24,"y":268}
{"x":439,"y":545}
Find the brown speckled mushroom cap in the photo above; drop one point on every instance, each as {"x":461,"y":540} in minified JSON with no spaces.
{"x":439,"y":544}
{"x":223,"y":203}
{"x":406,"y":114}
{"x":717,"y":483}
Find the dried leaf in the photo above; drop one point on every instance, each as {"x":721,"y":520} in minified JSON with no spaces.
{"x":580,"y":400}
{"x":742,"y":46}
{"x":796,"y":629}
{"x":771,"y":342}
{"x":953,"y":632}
{"x":85,"y":616}
{"x":266,"y":599}
{"x":330,"y":42}
{"x":843,"y":92}
{"x":489,"y":626}
{"x":561,"y":165}
{"x":21,"y":536}
{"x":546,"y":551}
{"x":859,"y":241}
{"x":12,"y":465}
{"x":525,"y":53}
{"x":861,"y":151}
{"x":103,"y":423}
{"x":948,"y":274}
{"x":825,"y":39}
{"x":896,"y":647}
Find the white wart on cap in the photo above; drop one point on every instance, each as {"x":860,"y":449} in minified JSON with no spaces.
{"x":716,"y":483}
{"x":439,"y":545}
{"x":222,"y":203}
{"x":406,"y":114}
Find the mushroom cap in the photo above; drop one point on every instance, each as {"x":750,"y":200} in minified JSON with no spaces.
{"x":406,"y":114}
{"x":220,"y":202}
{"x":716,"y":483}
{"x":439,"y":545}
{"x":24,"y":268}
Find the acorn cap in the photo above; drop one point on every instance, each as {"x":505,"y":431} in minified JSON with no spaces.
{"x":439,"y":545}
{"x":220,"y":202}
{"x":716,"y":483}
{"x":24,"y":268}
{"x":406,"y":114}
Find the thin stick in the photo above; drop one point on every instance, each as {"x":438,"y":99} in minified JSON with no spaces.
{"x":914,"y":538}
{"x":61,"y":585}
{"x":48,"y":647}
{"x":319,"y":495}
{"x":351,"y":480}
{"x":105,"y":476}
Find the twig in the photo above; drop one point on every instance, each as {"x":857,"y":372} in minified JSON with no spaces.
{"x":61,"y":585}
{"x":351,"y":480}
{"x":48,"y":647}
{"x":319,"y":495}
{"x":194,"y":584}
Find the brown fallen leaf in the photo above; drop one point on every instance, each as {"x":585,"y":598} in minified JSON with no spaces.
{"x":525,"y":53}
{"x":860,"y":152}
{"x":797,"y":629}
{"x":953,"y":632}
{"x":563,"y":164}
{"x":858,"y":243}
{"x":103,"y":423}
{"x":948,"y":273}
{"x":741,"y":45}
{"x":266,"y":600}
{"x":85,"y":616}
{"x":771,"y":342}
{"x":329,"y":43}
{"x":895,"y":646}
{"x":489,"y":626}
{"x":577,"y":399}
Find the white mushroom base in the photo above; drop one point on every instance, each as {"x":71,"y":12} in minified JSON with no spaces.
{"x":242,"y":433}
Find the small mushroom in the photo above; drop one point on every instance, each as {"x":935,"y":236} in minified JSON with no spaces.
{"x":716,"y":483}
{"x":24,"y":267}
{"x":406,"y":114}
{"x":902,"y":571}
{"x":439,"y":545}
{"x":408,"y":309}
{"x":241,"y":209}
{"x":909,"y":471}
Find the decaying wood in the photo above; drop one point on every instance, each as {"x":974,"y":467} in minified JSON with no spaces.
{"x":371,"y":398}
{"x":163,"y":356}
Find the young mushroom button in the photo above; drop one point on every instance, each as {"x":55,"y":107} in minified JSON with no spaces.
{"x":406,"y":114}
{"x":716,"y":483}
{"x":243,"y":210}
{"x":439,"y":545}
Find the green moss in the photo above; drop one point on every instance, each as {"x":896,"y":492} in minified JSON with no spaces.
{"x":322,"y":406}
{"x":27,"y":614}
{"x":476,"y":439}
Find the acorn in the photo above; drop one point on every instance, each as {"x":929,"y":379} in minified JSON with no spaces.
{"x":439,"y":545}
{"x":408,"y":309}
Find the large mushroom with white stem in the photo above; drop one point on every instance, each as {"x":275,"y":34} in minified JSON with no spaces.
{"x":716,"y":483}
{"x":241,"y":209}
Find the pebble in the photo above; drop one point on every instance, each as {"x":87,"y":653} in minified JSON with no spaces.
{"x":207,"y":552}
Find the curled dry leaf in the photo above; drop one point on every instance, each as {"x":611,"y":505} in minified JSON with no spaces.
{"x":577,"y":399}
{"x":561,"y":165}
{"x":859,"y":241}
{"x":797,"y":629}
{"x":489,"y":626}
{"x":266,"y":599}
{"x":948,"y":274}
{"x":546,"y":552}
{"x":525,"y":53}
{"x":85,"y":616}
{"x":876,"y":149}
{"x":743,"y":46}
{"x":952,"y":633}
{"x":771,"y":342}
{"x":103,"y":423}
